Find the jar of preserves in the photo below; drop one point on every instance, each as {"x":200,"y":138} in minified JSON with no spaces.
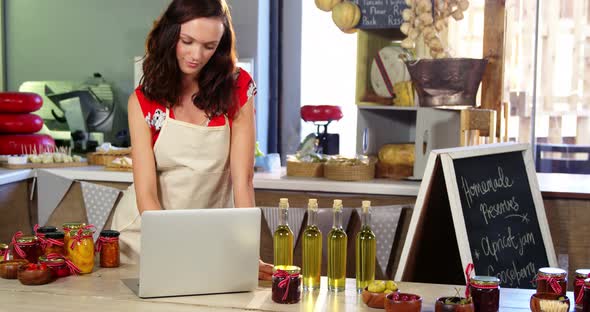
{"x":485,"y":293}
{"x":108,"y":247}
{"x":3,"y":251}
{"x":54,"y":243}
{"x":81,"y":250}
{"x":581,"y":275}
{"x":26,"y":247}
{"x":286,"y":284}
{"x":72,"y":227}
{"x":40,"y":232}
{"x":552,"y":280}
{"x":57,"y":266}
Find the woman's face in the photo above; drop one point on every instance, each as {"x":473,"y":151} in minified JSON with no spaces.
{"x":197,"y":42}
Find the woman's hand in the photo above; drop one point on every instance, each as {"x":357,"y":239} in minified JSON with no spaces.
{"x":264,"y":271}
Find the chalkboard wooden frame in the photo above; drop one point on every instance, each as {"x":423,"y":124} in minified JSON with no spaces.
{"x":440,"y":162}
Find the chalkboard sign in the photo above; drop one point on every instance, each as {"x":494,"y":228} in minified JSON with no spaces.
{"x":381,"y":13}
{"x":500,"y":218}
{"x":496,"y":211}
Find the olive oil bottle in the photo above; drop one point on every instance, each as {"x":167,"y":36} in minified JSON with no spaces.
{"x":283,"y":237}
{"x":366,"y":248}
{"x":337,"y":241}
{"x":312,"y":248}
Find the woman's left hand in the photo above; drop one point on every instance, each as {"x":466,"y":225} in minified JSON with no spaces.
{"x":264,"y":270}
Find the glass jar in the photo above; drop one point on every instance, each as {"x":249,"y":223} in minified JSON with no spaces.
{"x":108,"y":246}
{"x":552,"y":280}
{"x":581,"y":275}
{"x":586,"y":301}
{"x":286,"y":284}
{"x":57,"y":266}
{"x":54,"y":243}
{"x":3,"y":251}
{"x":69,"y":227}
{"x":485,"y":293}
{"x":27,"y":247}
{"x":81,"y":250}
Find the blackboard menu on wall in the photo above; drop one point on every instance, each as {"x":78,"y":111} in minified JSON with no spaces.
{"x":381,"y":13}
{"x":500,"y":218}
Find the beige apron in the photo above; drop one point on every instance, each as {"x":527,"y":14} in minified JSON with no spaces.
{"x":192,"y":164}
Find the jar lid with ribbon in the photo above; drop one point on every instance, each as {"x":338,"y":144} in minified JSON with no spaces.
{"x":3,"y":247}
{"x":55,"y":235}
{"x":291,"y":269}
{"x":582,"y":273}
{"x":73,"y":225}
{"x":26,"y":240}
{"x":109,"y":233}
{"x":587,"y":282}
{"x":52,"y":262}
{"x":552,"y":272}
{"x":480,"y":280}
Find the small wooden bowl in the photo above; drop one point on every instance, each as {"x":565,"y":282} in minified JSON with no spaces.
{"x":536,"y":299}
{"x":374,"y":300}
{"x":9,"y":268}
{"x":441,"y":306}
{"x":39,"y":276}
{"x":392,"y":305}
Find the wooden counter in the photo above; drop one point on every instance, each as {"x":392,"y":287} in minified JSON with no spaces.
{"x":106,"y":290}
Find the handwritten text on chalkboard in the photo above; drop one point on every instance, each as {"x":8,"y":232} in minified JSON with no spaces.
{"x":381,"y":13}
{"x":500,"y":218}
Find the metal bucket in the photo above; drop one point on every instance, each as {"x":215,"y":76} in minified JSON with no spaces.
{"x":447,"y":82}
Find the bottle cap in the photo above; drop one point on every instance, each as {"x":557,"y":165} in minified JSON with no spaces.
{"x":284,"y":203}
{"x":312,"y":204}
{"x":337,"y":205}
{"x":366,"y":204}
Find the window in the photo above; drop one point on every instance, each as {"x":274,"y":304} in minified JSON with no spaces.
{"x":328,"y":73}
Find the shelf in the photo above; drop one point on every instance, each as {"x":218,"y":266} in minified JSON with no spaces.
{"x":386,"y":107}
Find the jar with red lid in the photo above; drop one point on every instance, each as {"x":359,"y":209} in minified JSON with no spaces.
{"x":552,"y":280}
{"x":54,"y":243}
{"x":26,"y":247}
{"x":57,"y":266}
{"x":108,"y":247}
{"x":485,"y":293}
{"x":286,"y":284}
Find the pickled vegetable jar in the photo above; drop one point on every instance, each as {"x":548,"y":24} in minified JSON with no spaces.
{"x":71,"y":227}
{"x":57,"y":266}
{"x":54,"y":243}
{"x":552,"y":280}
{"x":81,"y":250}
{"x":108,"y":246}
{"x":26,"y":247}
{"x":286,"y":284}
{"x":485,"y":292}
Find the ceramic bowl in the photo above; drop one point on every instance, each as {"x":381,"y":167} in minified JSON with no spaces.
{"x":9,"y":268}
{"x":394,"y":302}
{"x":441,"y":306}
{"x":553,"y":299}
{"x":374,"y":300}
{"x":38,"y":276}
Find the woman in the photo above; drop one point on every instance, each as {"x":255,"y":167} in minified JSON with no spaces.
{"x":191,"y":121}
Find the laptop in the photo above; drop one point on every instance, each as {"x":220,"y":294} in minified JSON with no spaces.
{"x":199,"y":251}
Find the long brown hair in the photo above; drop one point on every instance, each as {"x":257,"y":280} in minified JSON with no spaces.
{"x":162,"y":77}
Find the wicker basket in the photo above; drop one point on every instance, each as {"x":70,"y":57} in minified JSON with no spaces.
{"x":98,"y":159}
{"x":397,"y":172}
{"x":361,"y":172}
{"x":305,"y":169}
